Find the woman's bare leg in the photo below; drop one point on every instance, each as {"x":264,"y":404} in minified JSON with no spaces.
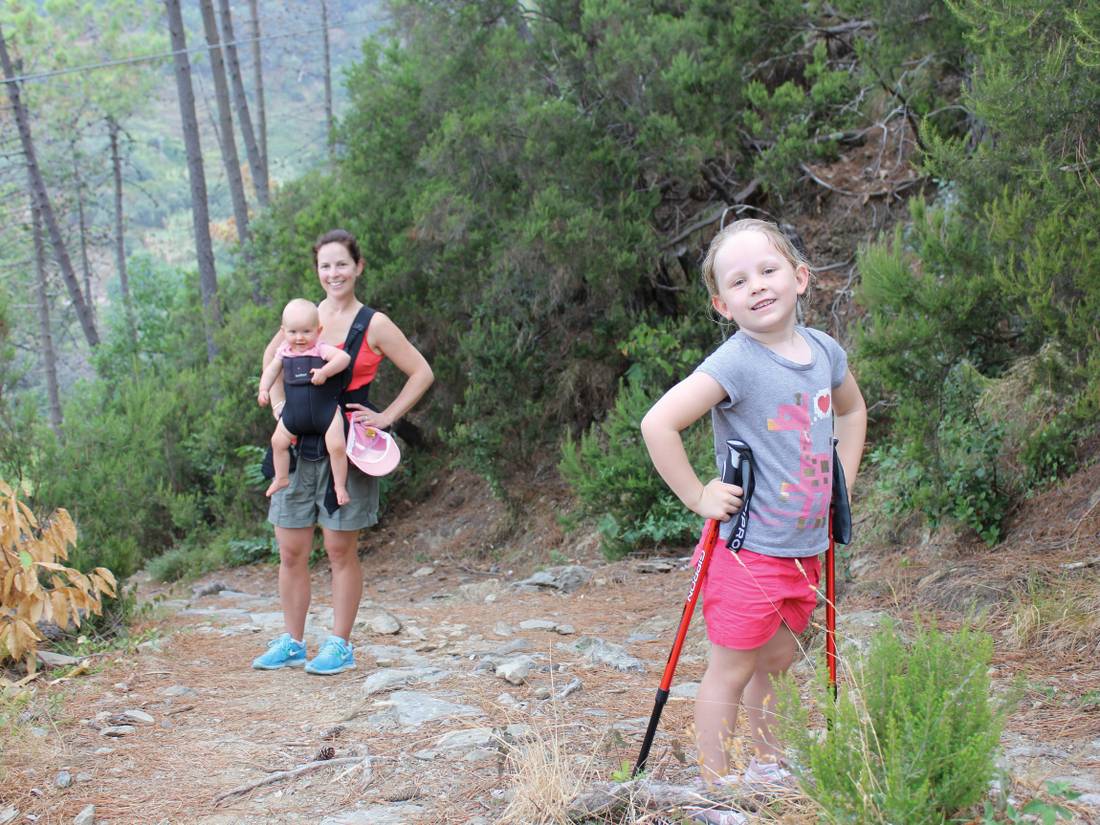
{"x":295,"y":544}
{"x":342,"y":547}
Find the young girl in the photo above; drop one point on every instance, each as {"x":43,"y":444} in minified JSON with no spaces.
{"x":308,"y":408}
{"x":784,"y":389}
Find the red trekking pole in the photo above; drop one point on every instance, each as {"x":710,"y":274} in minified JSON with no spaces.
{"x":737,"y":470}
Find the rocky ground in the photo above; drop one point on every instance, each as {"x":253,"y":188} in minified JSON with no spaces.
{"x":484,"y":693}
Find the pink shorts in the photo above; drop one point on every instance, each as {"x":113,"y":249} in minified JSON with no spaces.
{"x":746,"y":597}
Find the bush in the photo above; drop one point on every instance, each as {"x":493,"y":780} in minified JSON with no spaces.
{"x":911,"y":739}
{"x":611,"y":474}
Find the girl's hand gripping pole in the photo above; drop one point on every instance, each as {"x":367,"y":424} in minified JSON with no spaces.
{"x":736,"y":470}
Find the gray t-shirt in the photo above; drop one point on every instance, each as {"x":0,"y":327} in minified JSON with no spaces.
{"x":784,"y":412}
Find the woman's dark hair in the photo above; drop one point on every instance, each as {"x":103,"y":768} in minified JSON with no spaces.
{"x":342,"y":237}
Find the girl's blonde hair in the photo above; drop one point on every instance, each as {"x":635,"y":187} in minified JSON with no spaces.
{"x":781,"y":242}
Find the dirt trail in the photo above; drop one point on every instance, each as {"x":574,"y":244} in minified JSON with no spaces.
{"x":217,"y":724}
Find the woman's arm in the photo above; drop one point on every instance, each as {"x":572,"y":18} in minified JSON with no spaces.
{"x":677,"y":409}
{"x":850,"y":427}
{"x":384,"y":336}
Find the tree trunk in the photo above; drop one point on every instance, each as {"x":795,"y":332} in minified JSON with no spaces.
{"x":225,"y":122}
{"x":329,"y":136}
{"x":45,"y":331}
{"x":261,"y":110}
{"x":200,"y":217}
{"x":82,"y":225}
{"x":120,"y":241}
{"x":258,"y":163}
{"x":42,"y":199}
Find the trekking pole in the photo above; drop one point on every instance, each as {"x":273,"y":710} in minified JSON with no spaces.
{"x":840,"y":530}
{"x":736,"y":470}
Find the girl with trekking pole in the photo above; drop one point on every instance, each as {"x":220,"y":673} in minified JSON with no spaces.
{"x":784,"y":390}
{"x":310,"y":500}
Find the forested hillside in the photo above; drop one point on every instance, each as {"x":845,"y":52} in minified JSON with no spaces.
{"x":534,"y":184}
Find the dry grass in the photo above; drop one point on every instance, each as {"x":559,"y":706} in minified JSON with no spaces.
{"x":1059,"y":617}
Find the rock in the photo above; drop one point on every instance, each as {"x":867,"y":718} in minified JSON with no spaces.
{"x":538,"y":624}
{"x":116,"y":731}
{"x":542,"y":692}
{"x":207,"y":589}
{"x":573,"y":686}
{"x":421,"y":572}
{"x":565,"y":630}
{"x":135,"y":717}
{"x":150,"y":646}
{"x":51,"y":659}
{"x":480,"y":592}
{"x":516,"y":670}
{"x":392,"y":678}
{"x":381,"y":623}
{"x":83,"y":777}
{"x":63,"y":779}
{"x":8,"y":814}
{"x":470,"y":738}
{"x":377,"y":815}
{"x":271,"y":620}
{"x":687,"y":690}
{"x":655,"y":566}
{"x":86,"y":816}
{"x":565,"y":578}
{"x":599,"y":651}
{"x":503,"y":629}
{"x":411,"y":709}
{"x":178,"y":690}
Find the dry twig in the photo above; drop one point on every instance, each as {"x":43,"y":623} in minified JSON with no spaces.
{"x":290,"y":774}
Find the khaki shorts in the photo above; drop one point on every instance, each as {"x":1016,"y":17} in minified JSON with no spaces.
{"x":302,"y":504}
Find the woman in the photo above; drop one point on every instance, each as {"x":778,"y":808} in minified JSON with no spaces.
{"x":298,"y":508}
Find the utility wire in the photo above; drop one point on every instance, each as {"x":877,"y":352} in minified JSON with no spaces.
{"x":124,"y":61}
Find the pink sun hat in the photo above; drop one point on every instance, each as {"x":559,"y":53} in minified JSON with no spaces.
{"x":373,"y":451}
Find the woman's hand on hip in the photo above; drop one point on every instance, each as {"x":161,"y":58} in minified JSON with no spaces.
{"x":368,"y":416}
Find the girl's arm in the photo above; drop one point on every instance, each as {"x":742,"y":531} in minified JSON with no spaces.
{"x":850,"y":427}
{"x":677,"y":409}
{"x":386,"y":337}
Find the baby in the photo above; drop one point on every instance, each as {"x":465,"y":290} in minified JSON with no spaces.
{"x":312,"y":406}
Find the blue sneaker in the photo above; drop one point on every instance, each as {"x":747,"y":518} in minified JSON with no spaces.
{"x":335,"y":656}
{"x":281,"y":652}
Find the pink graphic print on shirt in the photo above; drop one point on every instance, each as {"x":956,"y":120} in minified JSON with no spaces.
{"x":811,"y":490}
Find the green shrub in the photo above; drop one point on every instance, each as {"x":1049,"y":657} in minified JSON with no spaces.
{"x":911,"y":737}
{"x":611,"y":474}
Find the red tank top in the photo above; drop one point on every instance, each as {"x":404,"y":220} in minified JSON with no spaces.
{"x":365,"y":366}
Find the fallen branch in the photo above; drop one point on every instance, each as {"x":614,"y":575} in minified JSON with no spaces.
{"x":603,"y":798}
{"x":308,"y":767}
{"x":875,"y":193}
{"x":1077,"y":565}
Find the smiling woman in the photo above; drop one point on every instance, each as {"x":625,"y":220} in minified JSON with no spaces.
{"x":310,"y":497}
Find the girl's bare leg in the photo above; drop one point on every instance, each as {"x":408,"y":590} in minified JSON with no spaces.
{"x":342,"y":547}
{"x":280,"y":458}
{"x":773,"y":658}
{"x":728,"y":672}
{"x":295,"y":544}
{"x":338,"y":457}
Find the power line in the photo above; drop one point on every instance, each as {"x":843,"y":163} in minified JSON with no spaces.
{"x":125,"y":61}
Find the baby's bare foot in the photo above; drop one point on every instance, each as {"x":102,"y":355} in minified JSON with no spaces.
{"x":277,"y":485}
{"x":342,"y":496}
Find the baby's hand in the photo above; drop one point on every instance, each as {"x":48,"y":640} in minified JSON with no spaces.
{"x":317,"y":378}
{"x":719,"y":500}
{"x":263,"y":398}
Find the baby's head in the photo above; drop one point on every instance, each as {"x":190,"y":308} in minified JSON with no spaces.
{"x":301,"y":323}
{"x":779,"y":241}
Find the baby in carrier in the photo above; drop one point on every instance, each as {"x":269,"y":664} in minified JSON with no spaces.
{"x":312,"y":405}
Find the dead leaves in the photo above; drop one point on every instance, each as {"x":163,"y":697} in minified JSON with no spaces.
{"x":34,"y":585}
